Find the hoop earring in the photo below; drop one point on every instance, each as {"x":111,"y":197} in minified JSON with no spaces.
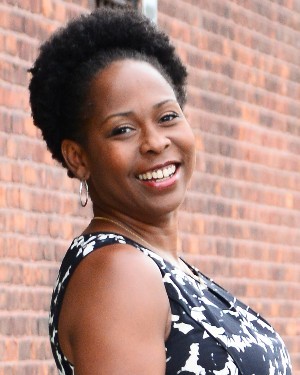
{"x":83,"y":186}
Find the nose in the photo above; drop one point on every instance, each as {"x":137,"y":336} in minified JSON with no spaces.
{"x":154,"y":140}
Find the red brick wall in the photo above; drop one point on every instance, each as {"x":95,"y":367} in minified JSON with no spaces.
{"x":240,"y":222}
{"x":39,"y":207}
{"x":241,"y":219}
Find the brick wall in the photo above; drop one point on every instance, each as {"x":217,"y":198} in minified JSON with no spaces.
{"x":240,"y":222}
{"x":241,"y":219}
{"x":39,"y":206}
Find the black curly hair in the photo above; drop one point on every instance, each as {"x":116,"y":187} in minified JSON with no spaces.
{"x":69,"y":60}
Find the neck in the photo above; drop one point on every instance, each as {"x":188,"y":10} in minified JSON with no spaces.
{"x":160,"y":237}
{"x":153,"y":237}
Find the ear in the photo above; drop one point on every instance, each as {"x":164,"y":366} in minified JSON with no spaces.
{"x":75,"y":159}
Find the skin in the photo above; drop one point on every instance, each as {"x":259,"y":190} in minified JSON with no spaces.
{"x":116,"y":315}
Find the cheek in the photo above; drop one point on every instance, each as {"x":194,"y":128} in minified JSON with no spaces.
{"x":112,"y":161}
{"x":190,"y":151}
{"x":189,"y":143}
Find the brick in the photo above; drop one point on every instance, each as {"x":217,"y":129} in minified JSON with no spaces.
{"x":240,"y":220}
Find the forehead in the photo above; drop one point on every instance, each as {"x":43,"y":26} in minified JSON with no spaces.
{"x":124,"y":82}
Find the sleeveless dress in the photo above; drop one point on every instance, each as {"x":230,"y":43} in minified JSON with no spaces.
{"x":212,"y":333}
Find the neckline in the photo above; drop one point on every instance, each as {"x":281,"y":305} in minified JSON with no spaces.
{"x":195,"y":274}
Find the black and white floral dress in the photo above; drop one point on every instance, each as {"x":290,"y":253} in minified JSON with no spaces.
{"x":211,"y":331}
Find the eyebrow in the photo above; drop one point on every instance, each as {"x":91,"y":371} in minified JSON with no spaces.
{"x":160,"y":104}
{"x":128,"y":113}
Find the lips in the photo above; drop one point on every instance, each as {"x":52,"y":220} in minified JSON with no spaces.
{"x":158,"y":174}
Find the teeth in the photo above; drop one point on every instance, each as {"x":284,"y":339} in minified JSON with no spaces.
{"x":158,"y":173}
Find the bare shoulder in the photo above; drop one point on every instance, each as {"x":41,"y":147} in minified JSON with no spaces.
{"x":115,"y":308}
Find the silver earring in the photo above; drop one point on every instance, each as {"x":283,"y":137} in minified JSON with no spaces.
{"x":83,"y":186}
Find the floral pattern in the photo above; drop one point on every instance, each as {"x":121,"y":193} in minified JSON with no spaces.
{"x":212,"y":333}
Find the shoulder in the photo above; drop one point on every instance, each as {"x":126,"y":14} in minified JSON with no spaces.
{"x":120,"y":268}
{"x":106,"y":258}
{"x":105,"y":262}
{"x":115,"y":291}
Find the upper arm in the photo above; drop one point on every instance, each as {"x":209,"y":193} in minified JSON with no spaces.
{"x":117,"y":310}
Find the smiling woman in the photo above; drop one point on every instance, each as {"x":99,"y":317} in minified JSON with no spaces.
{"x":139,"y":129}
{"x":108,"y":92}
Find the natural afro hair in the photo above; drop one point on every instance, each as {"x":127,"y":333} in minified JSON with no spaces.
{"x":69,"y":60}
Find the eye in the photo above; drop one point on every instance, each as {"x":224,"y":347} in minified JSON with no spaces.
{"x":124,"y":129}
{"x":168,"y":117}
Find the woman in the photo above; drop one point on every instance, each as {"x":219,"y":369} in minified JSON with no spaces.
{"x":107,"y":91}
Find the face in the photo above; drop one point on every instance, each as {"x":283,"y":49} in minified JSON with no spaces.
{"x":140,"y":148}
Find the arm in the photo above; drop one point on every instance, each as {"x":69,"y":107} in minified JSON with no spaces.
{"x":115,"y":314}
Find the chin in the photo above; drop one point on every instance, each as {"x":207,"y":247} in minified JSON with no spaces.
{"x":162,"y":207}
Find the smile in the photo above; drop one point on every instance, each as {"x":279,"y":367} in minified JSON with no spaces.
{"x":158,"y":174}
